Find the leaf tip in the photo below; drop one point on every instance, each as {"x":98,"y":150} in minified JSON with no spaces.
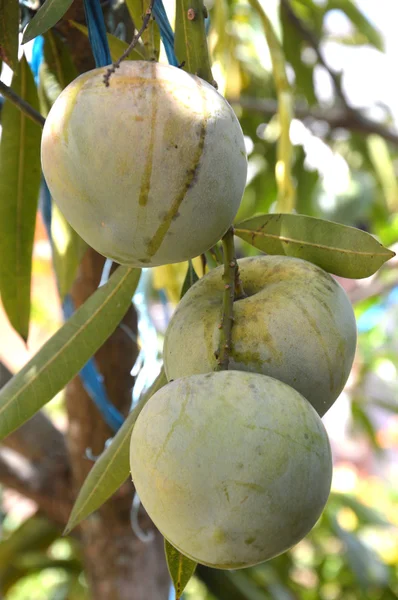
{"x":27,"y":37}
{"x":71,"y":524}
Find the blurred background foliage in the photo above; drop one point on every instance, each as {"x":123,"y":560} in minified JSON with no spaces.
{"x":341,"y":62}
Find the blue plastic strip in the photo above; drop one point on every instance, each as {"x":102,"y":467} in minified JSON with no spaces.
{"x":37,"y":57}
{"x":93,"y":383}
{"x":166,"y":32}
{"x":97,"y":33}
{"x":207,"y":24}
{"x":45,"y":206}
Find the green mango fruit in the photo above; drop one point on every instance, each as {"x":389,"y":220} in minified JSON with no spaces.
{"x":233,"y":467}
{"x":150,"y":170}
{"x":296,"y":324}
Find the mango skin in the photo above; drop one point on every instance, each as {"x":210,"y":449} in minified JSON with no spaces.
{"x":296,"y":325}
{"x":148,"y":171}
{"x":233,"y":468}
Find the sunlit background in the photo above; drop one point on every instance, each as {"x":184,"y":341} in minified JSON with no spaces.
{"x":342,"y":175}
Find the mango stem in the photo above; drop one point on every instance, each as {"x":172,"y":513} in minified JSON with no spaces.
{"x":233,"y":289}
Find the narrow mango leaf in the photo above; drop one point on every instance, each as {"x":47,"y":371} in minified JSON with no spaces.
{"x":359,"y":20}
{"x":9,"y":32}
{"x":67,"y":246}
{"x":363,"y":423}
{"x":59,"y":60}
{"x":338,"y":249}
{"x":190,"y":42}
{"x":67,"y":351}
{"x":190,"y":278}
{"x":68,"y":250}
{"x":384,"y":168}
{"x":284,"y":160}
{"x":46,"y":17}
{"x":151,"y":36}
{"x":366,"y":515}
{"x":292,"y":44}
{"x":36,"y":533}
{"x":19,"y":192}
{"x":116,"y":46}
{"x":363,"y":561}
{"x":112,"y":468}
{"x":181,"y":568}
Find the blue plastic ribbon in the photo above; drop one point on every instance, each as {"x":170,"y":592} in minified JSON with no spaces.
{"x":166,"y":32}
{"x":97,"y":33}
{"x":93,"y":382}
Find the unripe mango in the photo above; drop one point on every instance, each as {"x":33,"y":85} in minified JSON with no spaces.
{"x":296,"y":324}
{"x":233,"y":468}
{"x":148,"y":171}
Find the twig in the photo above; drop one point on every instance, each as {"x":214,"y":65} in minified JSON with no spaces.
{"x":231,"y":284}
{"x":336,"y":118}
{"x":20,"y":103}
{"x":308,"y":35}
{"x":357,"y":120}
{"x":134,"y":42}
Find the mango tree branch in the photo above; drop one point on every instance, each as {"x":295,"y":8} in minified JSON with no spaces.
{"x":44,"y":483}
{"x":335,"y":117}
{"x":353,"y":119}
{"x":34,"y":462}
{"x":23,"y":106}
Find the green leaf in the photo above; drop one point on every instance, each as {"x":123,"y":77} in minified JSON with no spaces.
{"x":46,"y":17}
{"x":116,"y":46}
{"x":284,"y":160}
{"x":181,"y":568}
{"x":386,"y":405}
{"x":62,"y":357}
{"x":292,"y":44}
{"x":359,"y":20}
{"x":364,"y":563}
{"x":362,"y":421}
{"x":384,"y":168}
{"x":67,"y":246}
{"x":112,"y":468}
{"x":59,"y":61}
{"x":19,"y":191}
{"x":36,"y":533}
{"x":190,"y":278}
{"x":190,"y":42}
{"x":68,"y":250}
{"x":9,"y":32}
{"x":150,"y":36}
{"x":365,"y":514}
{"x":338,"y":249}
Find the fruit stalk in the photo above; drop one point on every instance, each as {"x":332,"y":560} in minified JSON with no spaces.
{"x":232,"y":289}
{"x":134,"y":42}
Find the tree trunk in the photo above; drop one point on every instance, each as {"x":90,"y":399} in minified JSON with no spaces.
{"x":119,"y":566}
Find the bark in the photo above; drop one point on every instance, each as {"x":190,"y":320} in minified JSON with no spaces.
{"x":34,"y":461}
{"x":118,"y":564}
